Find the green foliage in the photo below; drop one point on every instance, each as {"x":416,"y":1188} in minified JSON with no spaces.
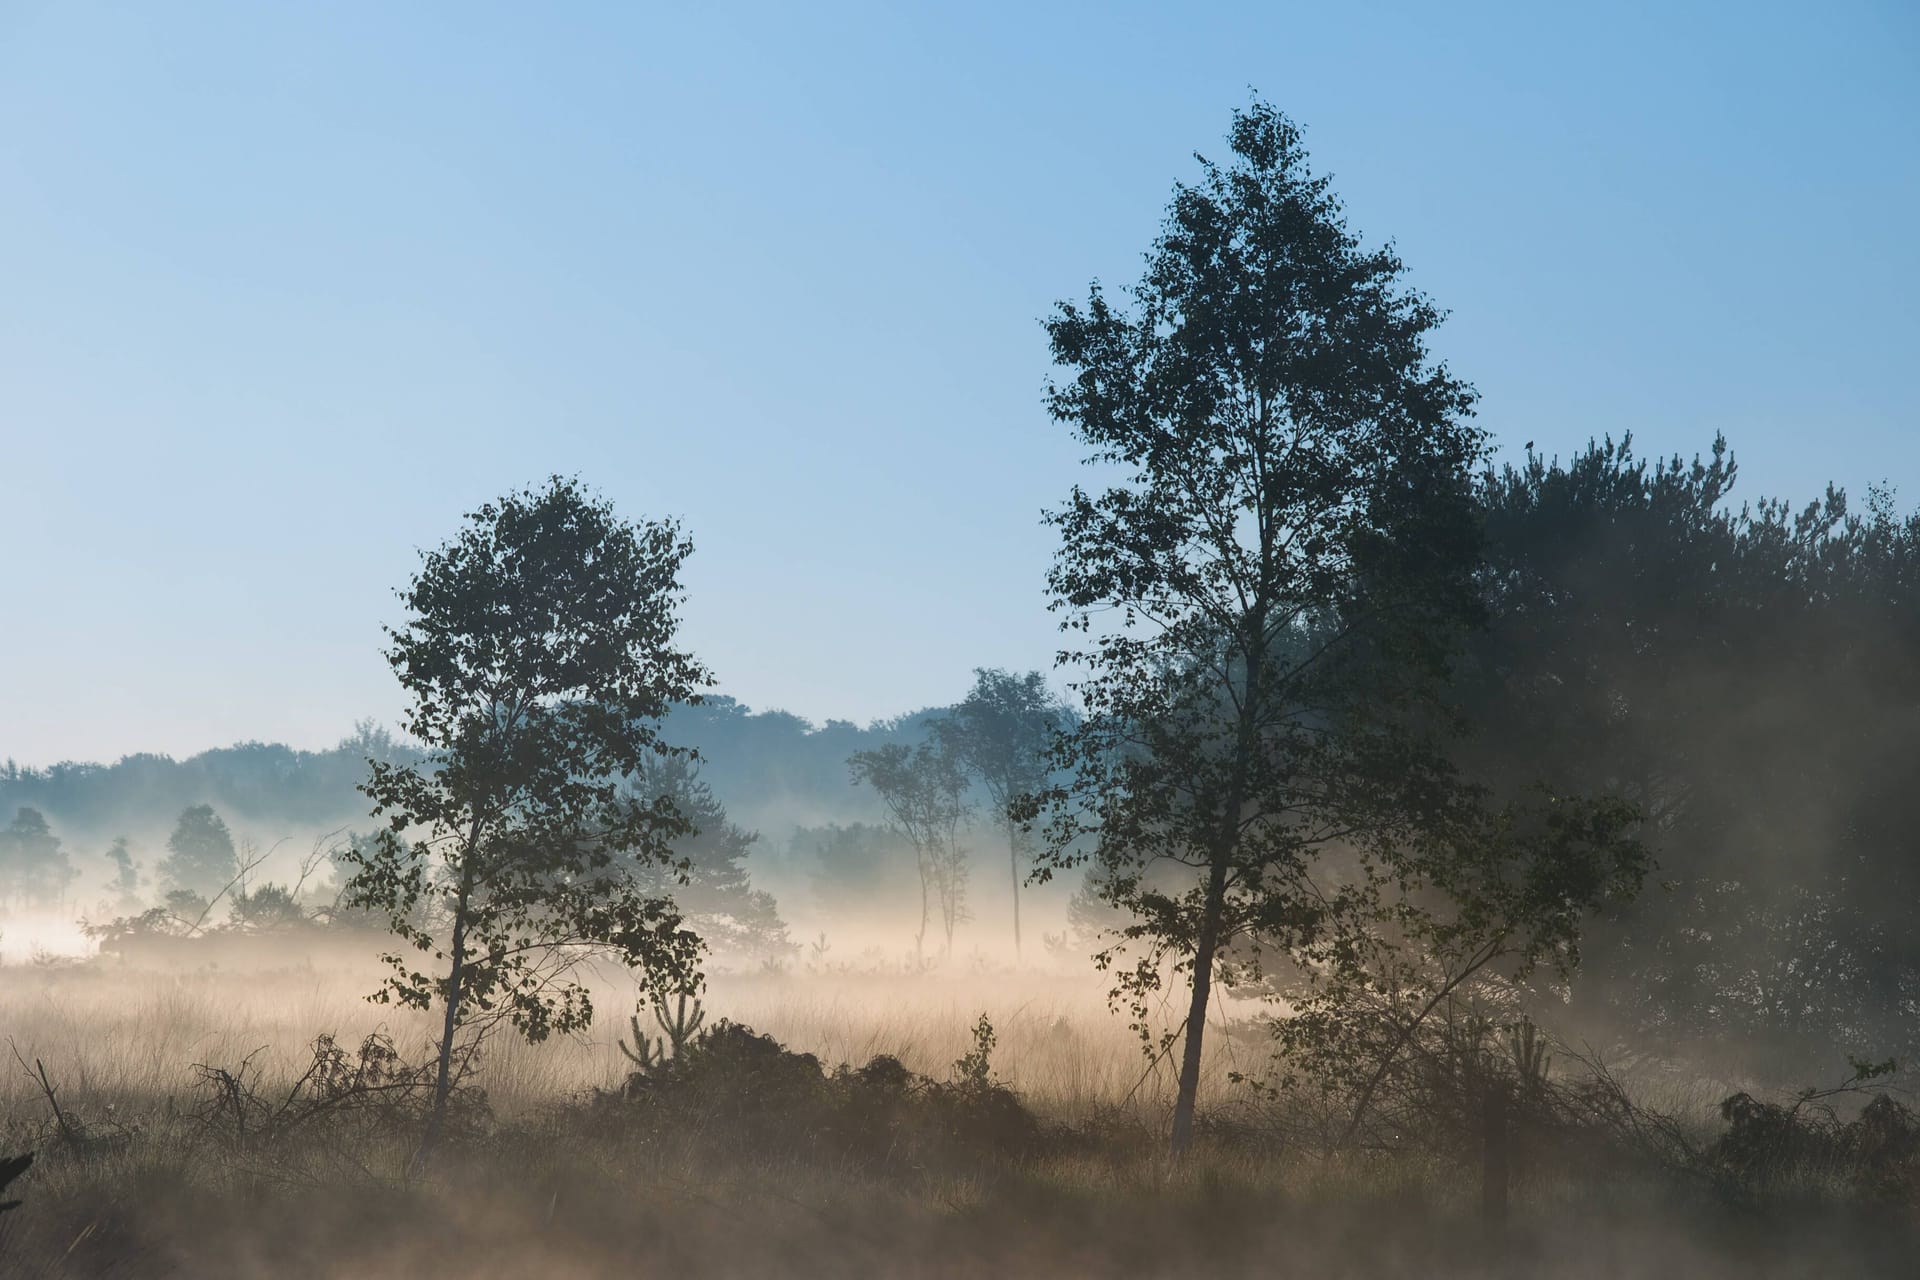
{"x":1769,"y":1145}
{"x":1442,"y":949}
{"x":538,"y":659}
{"x":677,"y":1030}
{"x":1742,"y":673}
{"x":34,"y":870}
{"x":114,"y":934}
{"x":856,"y":872}
{"x":259,"y":783}
{"x":271,"y":908}
{"x":1271,"y":585}
{"x":185,"y":909}
{"x":125,"y":884}
{"x":974,"y":1068}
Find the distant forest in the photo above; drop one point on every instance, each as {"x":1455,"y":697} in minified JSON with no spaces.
{"x":771,"y":794}
{"x":766,"y":766}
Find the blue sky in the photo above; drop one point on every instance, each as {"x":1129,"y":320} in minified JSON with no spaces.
{"x":284,"y":289}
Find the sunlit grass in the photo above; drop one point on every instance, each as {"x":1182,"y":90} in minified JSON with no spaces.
{"x":550,"y":1192}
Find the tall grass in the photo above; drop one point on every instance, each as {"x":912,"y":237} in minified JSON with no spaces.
{"x":557,"y":1188}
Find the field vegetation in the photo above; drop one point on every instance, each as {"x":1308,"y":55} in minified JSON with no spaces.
{"x":183,"y":1147}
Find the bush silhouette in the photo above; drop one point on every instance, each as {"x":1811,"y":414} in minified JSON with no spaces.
{"x":746,"y":1092}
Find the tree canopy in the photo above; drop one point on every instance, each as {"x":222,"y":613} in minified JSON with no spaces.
{"x":708,"y":879}
{"x":538,"y":657}
{"x":1267,"y":590}
{"x":201,"y":858}
{"x":1002,"y":733}
{"x":34,"y":869}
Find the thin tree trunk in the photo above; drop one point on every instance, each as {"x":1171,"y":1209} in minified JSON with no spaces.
{"x":1494,"y":1165}
{"x":920,"y":938}
{"x":949,"y":900}
{"x":1209,"y":941}
{"x":1214,"y":907}
{"x":1013,"y":859}
{"x":443,"y":1074}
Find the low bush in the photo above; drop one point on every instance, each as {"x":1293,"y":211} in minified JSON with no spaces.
{"x":744,"y":1092}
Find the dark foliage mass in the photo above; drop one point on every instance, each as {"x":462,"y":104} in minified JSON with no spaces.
{"x":857,"y":871}
{"x":746,"y":1093}
{"x":11,"y":1167}
{"x":1268,"y":593}
{"x":1002,"y":734}
{"x":201,"y":858}
{"x":1744,"y":674}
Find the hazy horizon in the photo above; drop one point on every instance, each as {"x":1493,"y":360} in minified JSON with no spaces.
{"x":327,"y":743}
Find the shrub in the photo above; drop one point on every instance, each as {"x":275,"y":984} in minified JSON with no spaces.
{"x":746,"y":1092}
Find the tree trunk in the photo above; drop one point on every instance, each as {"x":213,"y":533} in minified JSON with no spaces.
{"x":1013,"y":859}
{"x":1224,"y":843}
{"x":945,"y":885}
{"x":1209,"y":941}
{"x":456,"y":975}
{"x":1494,"y":1165}
{"x":920,"y":938}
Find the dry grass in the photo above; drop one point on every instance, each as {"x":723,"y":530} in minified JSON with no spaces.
{"x":112,"y":1035}
{"x":554,"y":1190}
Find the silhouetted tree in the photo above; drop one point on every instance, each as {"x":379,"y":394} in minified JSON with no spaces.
{"x":1278,"y":570}
{"x":371,"y":740}
{"x":1002,"y":733}
{"x":271,"y":908}
{"x":200,"y":854}
{"x":125,"y":884}
{"x":710,"y":883}
{"x":538,"y":656}
{"x":925,"y":791}
{"x":34,"y":869}
{"x":856,"y":871}
{"x":184,"y":910}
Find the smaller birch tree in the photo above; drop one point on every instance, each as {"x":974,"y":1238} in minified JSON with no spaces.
{"x":925,"y":791}
{"x":538,"y":657}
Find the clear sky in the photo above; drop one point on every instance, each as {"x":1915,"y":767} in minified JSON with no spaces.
{"x":285,"y":288}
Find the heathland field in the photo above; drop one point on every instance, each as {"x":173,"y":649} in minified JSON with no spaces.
{"x":195,"y":1136}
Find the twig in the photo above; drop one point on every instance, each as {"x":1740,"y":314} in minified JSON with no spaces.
{"x":67,"y":1133}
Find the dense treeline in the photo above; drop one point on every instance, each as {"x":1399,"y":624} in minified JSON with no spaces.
{"x":1744,"y":673}
{"x":259,"y":783}
{"x":774,"y":768}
